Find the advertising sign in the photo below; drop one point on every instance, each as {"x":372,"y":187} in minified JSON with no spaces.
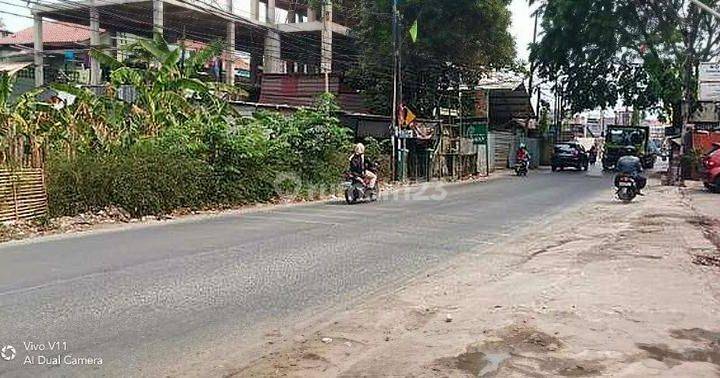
{"x":709,"y":91}
{"x":709,"y":71}
{"x":479,"y":133}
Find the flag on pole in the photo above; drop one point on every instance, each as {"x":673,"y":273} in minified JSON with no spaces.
{"x":409,"y":117}
{"x":414,"y":31}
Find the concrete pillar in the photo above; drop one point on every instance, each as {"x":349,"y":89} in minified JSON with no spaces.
{"x":311,"y":14}
{"x":255,"y":9}
{"x":273,"y":62}
{"x":255,"y":61}
{"x":229,"y":61}
{"x":95,"y":73}
{"x":326,"y":44}
{"x":158,"y":16}
{"x":230,"y":54}
{"x":270,"y":12}
{"x":38,"y":51}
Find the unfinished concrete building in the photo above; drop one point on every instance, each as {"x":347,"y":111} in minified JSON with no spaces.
{"x":276,"y":36}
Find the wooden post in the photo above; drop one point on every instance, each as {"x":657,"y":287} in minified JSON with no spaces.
{"x":44,"y":186}
{"x":15,"y":199}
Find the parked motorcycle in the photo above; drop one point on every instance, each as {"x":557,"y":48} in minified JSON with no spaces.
{"x":627,"y":188}
{"x":521,"y":168}
{"x":356,"y":189}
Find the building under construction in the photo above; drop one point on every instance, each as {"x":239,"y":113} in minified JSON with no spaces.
{"x":274,"y":36}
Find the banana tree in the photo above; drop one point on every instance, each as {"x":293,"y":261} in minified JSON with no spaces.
{"x":164,"y":88}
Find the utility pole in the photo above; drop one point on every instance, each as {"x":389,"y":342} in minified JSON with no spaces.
{"x":532,"y":64}
{"x":556,"y":100}
{"x":397,"y":153}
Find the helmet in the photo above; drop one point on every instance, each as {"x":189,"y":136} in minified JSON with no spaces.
{"x":359,"y":148}
{"x":522,"y":145}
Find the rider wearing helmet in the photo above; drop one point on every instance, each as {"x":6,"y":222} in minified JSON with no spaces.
{"x":361,"y":166}
{"x":523,"y":155}
{"x":631,"y":165}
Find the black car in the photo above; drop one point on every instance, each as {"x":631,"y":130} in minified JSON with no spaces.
{"x":570,"y":154}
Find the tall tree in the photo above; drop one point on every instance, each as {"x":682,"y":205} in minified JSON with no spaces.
{"x":455,"y":39}
{"x":644,"y":53}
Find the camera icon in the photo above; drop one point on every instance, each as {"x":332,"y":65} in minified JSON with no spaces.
{"x":8,"y":353}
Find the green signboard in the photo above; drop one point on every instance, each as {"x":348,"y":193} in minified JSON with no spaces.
{"x":479,"y":133}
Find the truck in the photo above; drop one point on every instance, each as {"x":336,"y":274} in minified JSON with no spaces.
{"x":619,"y":137}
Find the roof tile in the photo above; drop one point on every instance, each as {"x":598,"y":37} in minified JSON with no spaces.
{"x":53,"y":32}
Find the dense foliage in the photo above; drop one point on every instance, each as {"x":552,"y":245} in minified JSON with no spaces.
{"x":644,"y":53}
{"x":174,"y":143}
{"x":460,"y":39}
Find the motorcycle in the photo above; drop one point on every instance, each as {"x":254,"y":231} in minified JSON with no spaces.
{"x":357,"y":189}
{"x":521,"y":168}
{"x":627,"y":188}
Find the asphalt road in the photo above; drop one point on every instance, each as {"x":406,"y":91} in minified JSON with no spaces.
{"x":200,"y":296}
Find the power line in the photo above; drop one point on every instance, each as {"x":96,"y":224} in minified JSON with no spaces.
{"x":291,"y":38}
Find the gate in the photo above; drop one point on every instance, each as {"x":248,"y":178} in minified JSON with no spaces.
{"x":503,"y":147}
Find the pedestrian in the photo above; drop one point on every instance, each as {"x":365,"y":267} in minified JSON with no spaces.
{"x":592,"y":155}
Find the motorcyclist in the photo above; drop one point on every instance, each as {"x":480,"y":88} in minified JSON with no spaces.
{"x":523,"y":156}
{"x":362,"y":167}
{"x":631,"y":165}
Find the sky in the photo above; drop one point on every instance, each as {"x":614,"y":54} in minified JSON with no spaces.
{"x":522,"y":27}
{"x":15,"y":23}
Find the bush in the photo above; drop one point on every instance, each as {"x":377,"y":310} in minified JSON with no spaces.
{"x":143,"y":180}
{"x":203,"y":162}
{"x":381,"y":154}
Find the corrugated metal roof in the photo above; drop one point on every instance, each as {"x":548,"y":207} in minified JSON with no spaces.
{"x":303,"y":90}
{"x":501,"y":80}
{"x":53,"y":32}
{"x":13,"y":67}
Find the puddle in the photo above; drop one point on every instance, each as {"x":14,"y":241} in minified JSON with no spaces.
{"x":519,"y":348}
{"x":479,"y":364}
{"x":492,"y":362}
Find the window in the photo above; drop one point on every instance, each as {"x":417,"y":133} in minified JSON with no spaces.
{"x":564,"y":148}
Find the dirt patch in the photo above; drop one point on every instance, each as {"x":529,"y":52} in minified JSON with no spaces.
{"x":710,"y":228}
{"x":313,"y":357}
{"x":528,"y":339}
{"x":516,"y":348}
{"x":671,"y":357}
{"x":475,"y":362}
{"x":707,"y":260}
{"x":696,"y":334}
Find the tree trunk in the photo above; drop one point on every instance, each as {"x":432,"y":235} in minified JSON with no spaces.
{"x":677,"y":117}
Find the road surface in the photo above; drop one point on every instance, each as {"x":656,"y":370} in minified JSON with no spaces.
{"x":200,"y":297}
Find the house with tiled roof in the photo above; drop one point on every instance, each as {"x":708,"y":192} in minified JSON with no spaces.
{"x":65,"y":50}
{"x":58,"y":37}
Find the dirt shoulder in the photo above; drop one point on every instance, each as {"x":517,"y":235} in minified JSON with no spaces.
{"x":607,"y":289}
